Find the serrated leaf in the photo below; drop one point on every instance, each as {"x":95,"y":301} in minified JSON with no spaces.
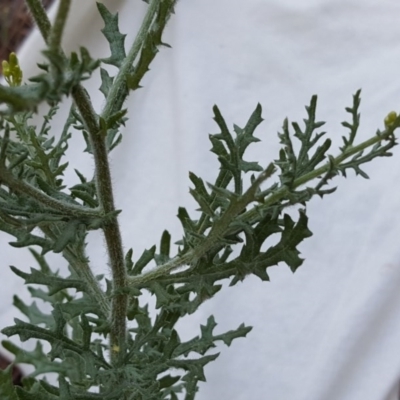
{"x":68,"y":235}
{"x":54,"y":283}
{"x":194,"y":366}
{"x":246,"y":166}
{"x":58,"y":341}
{"x":286,"y":249}
{"x":173,"y":342}
{"x":245,"y":136}
{"x":199,"y":185}
{"x":224,"y":193}
{"x":106,"y":82}
{"x":207,"y":330}
{"x":79,"y":306}
{"x":218,"y":147}
{"x":225,"y":134}
{"x":144,"y":259}
{"x":229,"y":336}
{"x":35,"y":316}
{"x":151,"y":42}
{"x":165,"y":295}
{"x":205,"y":207}
{"x":114,"y":37}
{"x":37,"y":358}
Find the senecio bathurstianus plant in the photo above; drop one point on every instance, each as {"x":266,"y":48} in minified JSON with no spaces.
{"x":104,"y":345}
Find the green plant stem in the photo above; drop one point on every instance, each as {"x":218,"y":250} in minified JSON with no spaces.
{"x":282,"y":192}
{"x":40,"y":16}
{"x":10,"y":181}
{"x":350,"y":151}
{"x":106,"y":200}
{"x":111,"y":229}
{"x":59,"y":25}
{"x":220,"y":228}
{"x":119,"y":84}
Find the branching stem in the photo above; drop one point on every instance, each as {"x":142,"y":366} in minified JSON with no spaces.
{"x":106,"y":200}
{"x":350,"y":151}
{"x":219,"y":229}
{"x":111,"y":229}
{"x":119,"y":84}
{"x":64,"y":208}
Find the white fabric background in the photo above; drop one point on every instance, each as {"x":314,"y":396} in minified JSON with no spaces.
{"x":330,"y":331}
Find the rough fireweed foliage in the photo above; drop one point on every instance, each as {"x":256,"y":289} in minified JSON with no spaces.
{"x":104,"y":345}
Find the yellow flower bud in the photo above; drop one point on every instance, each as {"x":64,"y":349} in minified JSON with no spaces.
{"x":12,"y":71}
{"x":390,"y":118}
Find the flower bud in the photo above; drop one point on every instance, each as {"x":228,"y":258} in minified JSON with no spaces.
{"x":390,"y":118}
{"x":12,"y":71}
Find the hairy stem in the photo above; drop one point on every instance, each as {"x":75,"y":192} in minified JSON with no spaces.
{"x":40,"y":16}
{"x":8,"y":179}
{"x":106,"y":200}
{"x":111,"y":229}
